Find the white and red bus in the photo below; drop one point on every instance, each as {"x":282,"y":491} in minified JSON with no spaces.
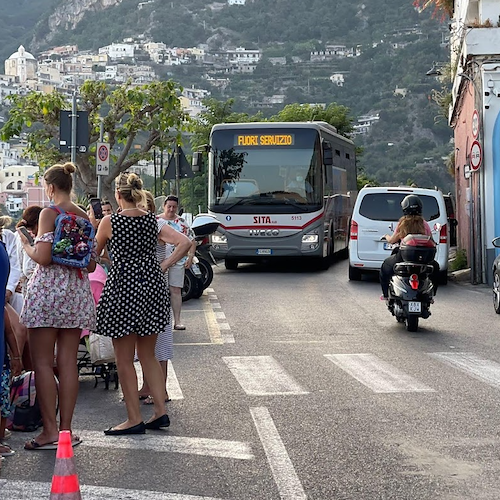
{"x":280,"y":190}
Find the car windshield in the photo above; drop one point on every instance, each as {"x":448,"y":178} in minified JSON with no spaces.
{"x":387,"y":206}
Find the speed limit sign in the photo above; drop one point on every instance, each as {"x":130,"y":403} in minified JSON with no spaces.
{"x":102,"y":158}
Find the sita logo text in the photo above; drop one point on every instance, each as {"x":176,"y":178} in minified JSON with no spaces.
{"x":263,"y":219}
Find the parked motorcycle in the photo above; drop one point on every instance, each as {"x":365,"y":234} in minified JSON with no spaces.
{"x":411,"y":291}
{"x":199,"y":276}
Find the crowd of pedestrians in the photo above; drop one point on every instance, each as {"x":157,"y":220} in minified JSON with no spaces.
{"x":48,"y":305}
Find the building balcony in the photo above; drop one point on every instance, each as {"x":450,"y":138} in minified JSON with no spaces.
{"x":482,"y":42}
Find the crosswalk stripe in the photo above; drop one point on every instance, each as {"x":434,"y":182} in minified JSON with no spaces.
{"x":170,"y":444}
{"x":284,"y":474}
{"x":21,"y":490}
{"x":375,"y":373}
{"x":262,"y":376}
{"x":479,"y":368}
{"x":173,"y":387}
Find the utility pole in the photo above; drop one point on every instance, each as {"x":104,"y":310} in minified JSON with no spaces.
{"x":154,"y":165}
{"x":74,"y":117}
{"x":99,"y":177}
{"x":177,"y":173}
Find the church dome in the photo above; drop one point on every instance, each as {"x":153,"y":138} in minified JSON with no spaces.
{"x":21,"y":52}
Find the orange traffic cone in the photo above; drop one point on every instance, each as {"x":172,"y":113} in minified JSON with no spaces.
{"x":65,"y":484}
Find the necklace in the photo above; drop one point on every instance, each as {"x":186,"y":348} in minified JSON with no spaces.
{"x":125,"y":209}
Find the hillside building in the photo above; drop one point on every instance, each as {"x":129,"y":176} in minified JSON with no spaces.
{"x":21,"y":65}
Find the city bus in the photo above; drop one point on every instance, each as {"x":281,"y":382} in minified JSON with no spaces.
{"x":280,"y":190}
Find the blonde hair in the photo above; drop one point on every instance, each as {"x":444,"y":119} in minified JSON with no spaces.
{"x":150,"y":202}
{"x":60,"y":176}
{"x":411,"y":224}
{"x":5,"y":220}
{"x":129,"y":185}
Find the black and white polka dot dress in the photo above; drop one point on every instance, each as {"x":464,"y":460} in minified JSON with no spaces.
{"x":134,"y":298}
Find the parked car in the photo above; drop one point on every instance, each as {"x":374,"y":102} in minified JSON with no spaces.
{"x":496,"y":278}
{"x":449,"y":201}
{"x":377,"y":211}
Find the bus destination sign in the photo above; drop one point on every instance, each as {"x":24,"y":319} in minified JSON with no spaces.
{"x":264,"y":140}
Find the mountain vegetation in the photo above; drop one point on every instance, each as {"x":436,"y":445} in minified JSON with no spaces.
{"x":397,"y":43}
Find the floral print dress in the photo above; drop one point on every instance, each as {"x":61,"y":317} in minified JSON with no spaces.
{"x":58,"y":296}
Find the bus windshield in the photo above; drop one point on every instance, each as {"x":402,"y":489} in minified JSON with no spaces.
{"x":277,"y":167}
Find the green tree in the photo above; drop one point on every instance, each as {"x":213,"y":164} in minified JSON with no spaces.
{"x":135,"y":119}
{"x":335,"y":115}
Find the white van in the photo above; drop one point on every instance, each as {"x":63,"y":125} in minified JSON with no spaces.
{"x":376,"y":213}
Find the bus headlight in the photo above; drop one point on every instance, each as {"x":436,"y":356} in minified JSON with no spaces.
{"x":310,"y":239}
{"x":219,"y":239}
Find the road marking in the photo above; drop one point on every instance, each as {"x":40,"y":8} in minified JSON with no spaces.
{"x":378,"y":375}
{"x":284,"y":474}
{"x":479,"y":368}
{"x":211,"y":320}
{"x":21,"y":490}
{"x":173,"y":387}
{"x":262,"y":376}
{"x":216,"y":305}
{"x":170,"y":444}
{"x":220,"y":315}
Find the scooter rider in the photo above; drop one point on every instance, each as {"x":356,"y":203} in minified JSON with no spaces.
{"x":411,"y":222}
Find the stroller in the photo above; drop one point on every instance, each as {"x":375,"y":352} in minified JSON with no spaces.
{"x":96,"y":356}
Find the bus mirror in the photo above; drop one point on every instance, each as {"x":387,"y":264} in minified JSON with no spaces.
{"x":197,"y":163}
{"x":327,"y":154}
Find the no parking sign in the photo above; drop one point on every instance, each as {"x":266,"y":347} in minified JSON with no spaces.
{"x":102,"y":158}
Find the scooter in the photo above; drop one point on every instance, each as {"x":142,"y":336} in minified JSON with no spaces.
{"x":411,"y":291}
{"x":199,"y":276}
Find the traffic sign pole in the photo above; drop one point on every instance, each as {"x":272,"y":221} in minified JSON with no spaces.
{"x":99,"y":178}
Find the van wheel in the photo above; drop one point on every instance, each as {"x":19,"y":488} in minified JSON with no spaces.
{"x":354,"y":274}
{"x":231,"y":264}
{"x":496,"y":291}
{"x":412,"y":323}
{"x":443,"y":277}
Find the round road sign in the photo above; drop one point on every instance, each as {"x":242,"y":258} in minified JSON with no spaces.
{"x":103,"y":152}
{"x":476,"y":156}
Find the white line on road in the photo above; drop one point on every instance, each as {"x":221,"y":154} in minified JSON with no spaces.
{"x":220,"y":315}
{"x":378,"y":375}
{"x":21,"y":490}
{"x":479,"y":368}
{"x":284,"y":474}
{"x":170,"y":444}
{"x":173,"y":387}
{"x":262,"y":376}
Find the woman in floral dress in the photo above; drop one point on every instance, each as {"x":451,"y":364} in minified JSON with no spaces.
{"x":58,"y":305}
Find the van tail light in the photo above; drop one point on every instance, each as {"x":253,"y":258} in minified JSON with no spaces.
{"x":354,"y":230}
{"x":414,"y":281}
{"x":443,"y":234}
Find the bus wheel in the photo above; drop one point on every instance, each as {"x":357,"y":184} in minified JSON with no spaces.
{"x":231,"y":264}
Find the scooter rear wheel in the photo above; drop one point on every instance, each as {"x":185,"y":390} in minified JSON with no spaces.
{"x":412,"y":323}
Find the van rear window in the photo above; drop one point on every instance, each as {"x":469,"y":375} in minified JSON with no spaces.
{"x":387,"y":206}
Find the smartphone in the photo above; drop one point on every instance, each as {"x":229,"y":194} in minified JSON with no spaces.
{"x":97,"y":208}
{"x":27,"y":234}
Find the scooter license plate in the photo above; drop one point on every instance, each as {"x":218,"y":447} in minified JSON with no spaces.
{"x":414,"y":307}
{"x":388,"y":246}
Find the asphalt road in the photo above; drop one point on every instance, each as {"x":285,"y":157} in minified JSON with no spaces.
{"x":291,"y":384}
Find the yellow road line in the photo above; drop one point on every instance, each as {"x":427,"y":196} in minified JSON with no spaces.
{"x":213,"y":326}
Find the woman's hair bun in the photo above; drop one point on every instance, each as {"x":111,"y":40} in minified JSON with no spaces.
{"x":69,"y":168}
{"x":134,"y":181}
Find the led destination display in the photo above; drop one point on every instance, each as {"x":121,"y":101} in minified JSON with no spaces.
{"x":264,"y":140}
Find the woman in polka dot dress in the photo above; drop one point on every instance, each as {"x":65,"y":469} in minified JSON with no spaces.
{"x":133,"y":307}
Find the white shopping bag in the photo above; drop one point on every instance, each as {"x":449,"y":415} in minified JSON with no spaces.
{"x":101,"y":349}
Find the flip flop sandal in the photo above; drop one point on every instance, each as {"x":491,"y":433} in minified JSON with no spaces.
{"x":179,"y":327}
{"x":150,"y":401}
{"x":8,"y":451}
{"x":34,"y":446}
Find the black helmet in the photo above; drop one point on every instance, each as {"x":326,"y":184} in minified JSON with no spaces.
{"x":412,"y":205}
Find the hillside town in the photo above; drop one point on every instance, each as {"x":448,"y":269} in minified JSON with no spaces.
{"x":138,"y":61}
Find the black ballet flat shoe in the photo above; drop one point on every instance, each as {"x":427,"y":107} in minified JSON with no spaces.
{"x":135,"y":429}
{"x":158,"y":423}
